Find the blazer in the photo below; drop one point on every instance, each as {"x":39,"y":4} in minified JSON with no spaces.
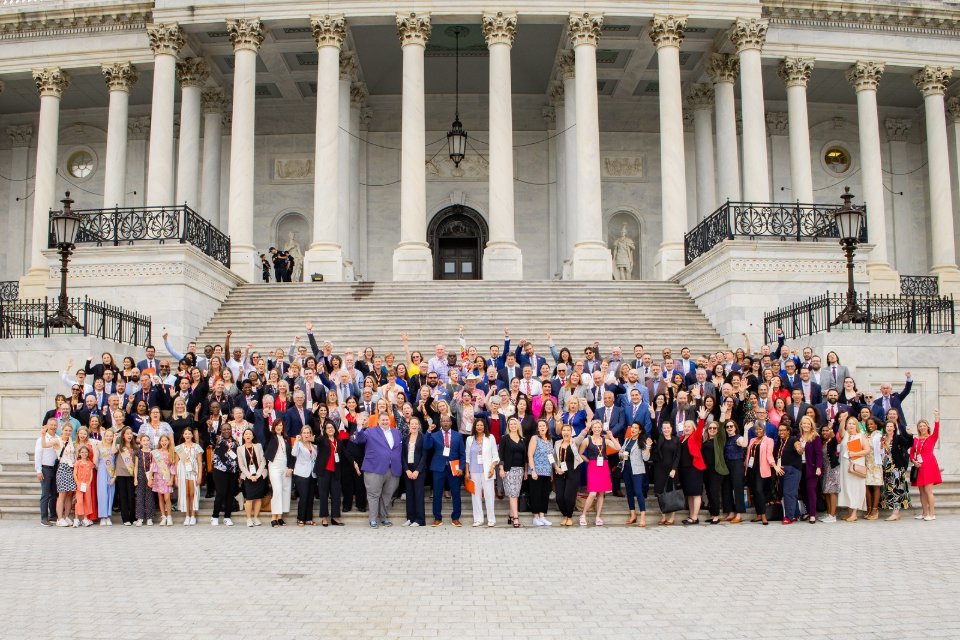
{"x":826,"y":377}
{"x":813,"y":457}
{"x":823,"y":409}
{"x":763,"y":446}
{"x":656,"y":386}
{"x":318,"y":394}
{"x":143,"y":365}
{"x":641,"y":415}
{"x":524,"y":360}
{"x":434,"y":442}
{"x":618,"y":419}
{"x":796,"y":415}
{"x":489,"y":455}
{"x":419,"y":459}
{"x":816,"y":396}
{"x":503,"y":379}
{"x":261,"y":426}
{"x":292,"y":424}
{"x":323,"y":455}
{"x":153,"y":398}
{"x":574,"y":447}
{"x":242,"y":463}
{"x":896,"y":402}
{"x":273,"y":446}
{"x":379,"y":457}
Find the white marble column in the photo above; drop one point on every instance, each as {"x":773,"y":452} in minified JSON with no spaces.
{"x":345,"y":175}
{"x":778,"y":131}
{"x":192,"y":74}
{"x":213,"y":104}
{"x":865,"y":78}
{"x":120,"y":77}
{"x":666,"y":32}
{"x":412,"y":259}
{"x":325,"y":255}
{"x":903,"y":215}
{"x":166,"y":41}
{"x":723,"y":69}
{"x":366,"y":115}
{"x":700,"y":100}
{"x":568,"y":75}
{"x":953,"y":116}
{"x":358,"y":246}
{"x":932,"y":82}
{"x":549,"y":115}
{"x":795,"y":73}
{"x":246,"y":34}
{"x":138,"y":131}
{"x":591,"y":257}
{"x":748,"y":36}
{"x":502,"y":259}
{"x":559,"y":146}
{"x":51,"y":83}
{"x":18,"y":231}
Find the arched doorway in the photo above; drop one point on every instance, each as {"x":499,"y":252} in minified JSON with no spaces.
{"x":457,"y":236}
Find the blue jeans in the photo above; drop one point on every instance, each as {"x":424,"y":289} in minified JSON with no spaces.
{"x":634,"y":484}
{"x":791,"y":482}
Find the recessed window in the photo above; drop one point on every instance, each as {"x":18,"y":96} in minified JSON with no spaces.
{"x":837,"y":160}
{"x":81,"y":164}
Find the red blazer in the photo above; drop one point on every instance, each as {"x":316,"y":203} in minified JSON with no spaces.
{"x":694,"y":443}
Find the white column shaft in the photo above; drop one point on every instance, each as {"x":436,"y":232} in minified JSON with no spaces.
{"x":242,"y":156}
{"x":188,"y":153}
{"x":943,"y":251}
{"x":115,"y":173}
{"x":413,"y":197}
{"x":673,"y":187}
{"x":801,"y":177}
{"x":44,"y":190}
{"x":357,"y":244}
{"x":571,"y":162}
{"x":501,"y":146}
{"x":706,"y":177}
{"x":212,"y":134}
{"x":871,"y":174}
{"x":160,"y":163}
{"x":346,"y":168}
{"x":561,"y":193}
{"x":728,"y":162}
{"x":589,"y":213}
{"x":756,"y":185}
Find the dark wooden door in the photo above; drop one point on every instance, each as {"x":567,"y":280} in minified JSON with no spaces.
{"x":458,"y":259}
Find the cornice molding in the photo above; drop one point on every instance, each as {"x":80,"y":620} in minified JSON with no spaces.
{"x":863,"y":15}
{"x":75,"y":20}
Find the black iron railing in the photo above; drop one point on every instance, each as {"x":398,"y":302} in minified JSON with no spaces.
{"x":30,"y":319}
{"x":9,"y":290}
{"x":130,"y":225}
{"x":763,"y":220}
{"x":885,"y":313}
{"x":919,"y":286}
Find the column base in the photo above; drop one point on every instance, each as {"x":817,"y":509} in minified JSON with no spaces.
{"x":669,"y":260}
{"x":33,"y":284}
{"x":326,"y":260}
{"x":245,"y":262}
{"x":502,"y":261}
{"x":566,"y":271}
{"x":412,"y":261}
{"x":591,"y":261}
{"x":949,"y":276}
{"x":883,"y":279}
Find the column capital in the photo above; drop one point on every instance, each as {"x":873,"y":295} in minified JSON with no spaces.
{"x":359,"y":94}
{"x":120,"y":76}
{"x":953,"y":108}
{"x":20,"y":135}
{"x":348,"y":65}
{"x":723,"y":67}
{"x":555,"y":91}
{"x":51,"y":81}
{"x":549,"y":115}
{"x":214,"y":100}
{"x":329,"y":30}
{"x":689,"y":126}
{"x":584,"y":28}
{"x":700,"y":97}
{"x":566,"y":64}
{"x":777,"y":123}
{"x":246,"y":34}
{"x":138,"y":128}
{"x":366,"y":115}
{"x":749,"y":34}
{"x":864,"y":75}
{"x":165,"y":38}
{"x":414,"y":28}
{"x":667,"y":31}
{"x":932,"y":80}
{"x":499,"y":28}
{"x":192,"y":72}
{"x":795,"y":72}
{"x":897,"y":128}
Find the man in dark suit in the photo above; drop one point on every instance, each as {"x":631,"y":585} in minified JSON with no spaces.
{"x":811,"y":391}
{"x":789,"y":375}
{"x":263,"y":419}
{"x":446,"y":445}
{"x":656,"y":384}
{"x":313,"y":391}
{"x":525,"y":355}
{"x":638,"y":411}
{"x":613,"y":417}
{"x":890,"y":400}
{"x":831,"y":409}
{"x":147,"y":392}
{"x":798,"y":408}
{"x":701,"y":387}
{"x":595,"y":400}
{"x":680,"y":412}
{"x":510,"y":371}
{"x":295,"y":418}
{"x":151,"y":361}
{"x":246,"y":400}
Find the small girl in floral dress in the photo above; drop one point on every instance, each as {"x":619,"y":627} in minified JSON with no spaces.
{"x":164,"y":472}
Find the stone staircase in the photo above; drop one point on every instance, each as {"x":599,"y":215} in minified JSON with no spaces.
{"x":357,"y":315}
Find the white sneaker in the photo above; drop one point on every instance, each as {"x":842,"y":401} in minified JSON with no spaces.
{"x":193,"y":521}
{"x":138,"y":523}
{"x":414,"y":524}
{"x":545,"y":522}
{"x":406,"y":523}
{"x":249,"y":523}
{"x":256,"y":522}
{"x":214,"y":522}
{"x":919,"y":516}
{"x":929,"y":518}
{"x":186,"y":521}
{"x":103,"y":522}
{"x":492,"y":523}
{"x":126,"y":524}
{"x":537,"y":522}
{"x":76,"y":522}
{"x":150,"y":522}
{"x":828,"y":518}
{"x":478,"y":523}
{"x":63,"y":522}
{"x":87,"y":522}
{"x":228,"y":522}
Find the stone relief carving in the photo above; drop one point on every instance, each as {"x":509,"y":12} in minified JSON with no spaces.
{"x":472,"y":167}
{"x":622,"y":167}
{"x":292,"y":169}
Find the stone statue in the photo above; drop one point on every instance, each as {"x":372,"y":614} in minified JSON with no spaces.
{"x":623,"y":248}
{"x":293,"y":248}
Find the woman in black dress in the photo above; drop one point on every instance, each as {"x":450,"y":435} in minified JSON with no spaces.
{"x":666,"y":459}
{"x":253,"y":475}
{"x":332,"y":456}
{"x":692,"y":466}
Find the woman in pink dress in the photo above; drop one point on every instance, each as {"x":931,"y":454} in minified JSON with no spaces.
{"x":593,"y":449}
{"x":923,"y":457}
{"x":164,"y":470}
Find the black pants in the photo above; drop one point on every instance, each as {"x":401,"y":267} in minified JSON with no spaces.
{"x":226,"y":483}
{"x":126,"y":498}
{"x":329,"y":492}
{"x":733,"y":488}
{"x":353,"y":489}
{"x":761,"y":492}
{"x":415,"y":498}
{"x":539,"y":494}
{"x":48,"y":494}
{"x":305,"y":489}
{"x":713,"y":482}
{"x":613,"y":463}
{"x":567,"y":485}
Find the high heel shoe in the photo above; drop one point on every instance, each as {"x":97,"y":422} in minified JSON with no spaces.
{"x":631,"y":520}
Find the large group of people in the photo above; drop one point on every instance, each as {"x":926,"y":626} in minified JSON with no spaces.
{"x":784,"y":434}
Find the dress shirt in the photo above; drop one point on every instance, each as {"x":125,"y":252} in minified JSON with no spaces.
{"x":44,"y":456}
{"x":388,"y":434}
{"x":440,"y":367}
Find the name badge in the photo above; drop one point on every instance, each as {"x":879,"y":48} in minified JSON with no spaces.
{"x":336,"y":457}
{"x":446,"y":452}
{"x":253,"y":469}
{"x":231,"y":455}
{"x":550,"y":458}
{"x":779,"y":462}
{"x":410,"y":456}
{"x":83,"y":487}
{"x":563,"y":466}
{"x":600,"y":461}
{"x":750,"y":463}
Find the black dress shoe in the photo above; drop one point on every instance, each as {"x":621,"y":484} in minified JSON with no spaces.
{"x":273,"y":523}
{"x":336,"y":523}
{"x":281,"y":522}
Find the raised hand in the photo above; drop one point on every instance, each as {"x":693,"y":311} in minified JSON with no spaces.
{"x":309,"y":326}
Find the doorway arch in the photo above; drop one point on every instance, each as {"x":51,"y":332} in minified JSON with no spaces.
{"x":457,"y":236}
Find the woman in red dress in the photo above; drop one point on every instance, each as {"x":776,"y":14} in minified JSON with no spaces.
{"x":922,"y":456}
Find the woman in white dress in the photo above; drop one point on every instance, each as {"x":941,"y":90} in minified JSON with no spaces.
{"x":278,"y":455}
{"x":853,"y":486}
{"x":189,"y":471}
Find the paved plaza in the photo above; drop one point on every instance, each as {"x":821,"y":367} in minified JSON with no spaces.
{"x":885,"y":580}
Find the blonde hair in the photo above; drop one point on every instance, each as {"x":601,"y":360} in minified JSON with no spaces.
{"x":811,"y":435}
{"x":923,"y":421}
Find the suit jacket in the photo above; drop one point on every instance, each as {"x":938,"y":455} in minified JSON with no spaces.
{"x":826,"y":377}
{"x":273,"y":446}
{"x":317,"y":394}
{"x":503,"y":381}
{"x":143,"y":364}
{"x":641,"y":415}
{"x":153,"y":398}
{"x":419,"y":458}
{"x":816,"y":395}
{"x":896,"y":401}
{"x":434,"y":442}
{"x":823,"y":407}
{"x":524,"y":360}
{"x":292,"y":424}
{"x":378,"y":456}
{"x":786,"y":380}
{"x":618,"y":419}
{"x":655,"y":386}
{"x":261,"y":426}
{"x":796,"y":412}
{"x":689,"y":414}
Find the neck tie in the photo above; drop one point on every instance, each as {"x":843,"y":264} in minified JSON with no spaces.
{"x":701,"y":389}
{"x":446,"y":439}
{"x":833,"y":374}
{"x":528,"y":387}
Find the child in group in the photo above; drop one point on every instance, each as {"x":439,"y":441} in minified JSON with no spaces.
{"x":143,"y":483}
{"x":189,"y":475}
{"x":83,"y":478}
{"x":163,"y":470}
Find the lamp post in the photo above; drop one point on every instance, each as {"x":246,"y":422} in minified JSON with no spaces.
{"x":457,"y":137}
{"x":65,"y":226}
{"x":849,"y":219}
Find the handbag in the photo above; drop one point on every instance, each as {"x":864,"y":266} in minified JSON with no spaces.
{"x":774,"y":511}
{"x":672,"y":499}
{"x":856,"y":469}
{"x":914,"y":474}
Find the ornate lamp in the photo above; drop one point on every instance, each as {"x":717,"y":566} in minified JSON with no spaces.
{"x":849,"y":219}
{"x":65,"y":224}
{"x":457,"y":137}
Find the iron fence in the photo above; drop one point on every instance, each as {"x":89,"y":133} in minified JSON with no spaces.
{"x":30,"y":319}
{"x":919,"y":286}
{"x":9,"y":290}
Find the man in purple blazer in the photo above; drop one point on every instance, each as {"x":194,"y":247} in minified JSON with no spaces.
{"x":381,"y":468}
